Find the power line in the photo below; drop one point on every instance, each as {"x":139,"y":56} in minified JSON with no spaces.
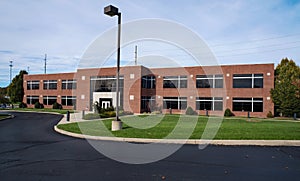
{"x":259,"y":52}
{"x":257,"y":40}
{"x":232,"y":43}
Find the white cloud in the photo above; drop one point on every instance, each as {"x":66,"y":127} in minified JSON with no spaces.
{"x":65,"y":28}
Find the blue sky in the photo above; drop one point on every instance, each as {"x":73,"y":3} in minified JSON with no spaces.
{"x":237,"y":31}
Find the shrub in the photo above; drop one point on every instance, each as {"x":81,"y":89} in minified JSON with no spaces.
{"x":56,"y":106}
{"x":109,"y":109}
{"x":228,"y":113}
{"x":124,"y":113}
{"x":38,"y":105}
{"x":190,"y":111}
{"x":91,"y":116}
{"x":270,"y":115}
{"x":108,"y":114}
{"x":22,"y":105}
{"x":98,"y":109}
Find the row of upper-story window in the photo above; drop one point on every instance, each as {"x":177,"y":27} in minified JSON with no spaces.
{"x":149,"y":82}
{"x":51,"y":84}
{"x":206,"y":81}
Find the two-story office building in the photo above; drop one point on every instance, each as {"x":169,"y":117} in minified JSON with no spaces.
{"x":241,"y":88}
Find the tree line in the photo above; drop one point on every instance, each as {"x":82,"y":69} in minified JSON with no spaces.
{"x":15,"y":90}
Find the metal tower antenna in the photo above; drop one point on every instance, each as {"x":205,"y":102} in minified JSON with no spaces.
{"x":135,"y":53}
{"x":45,"y":67}
{"x":10,"y":70}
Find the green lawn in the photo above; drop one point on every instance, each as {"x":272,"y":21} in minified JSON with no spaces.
{"x":162,"y":126}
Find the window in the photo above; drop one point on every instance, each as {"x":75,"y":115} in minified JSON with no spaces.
{"x":175,"y":81}
{"x":32,"y":99}
{"x":247,"y":104}
{"x":248,"y":81}
{"x":33,"y":85}
{"x":209,"y":81}
{"x":69,"y":84}
{"x":258,"y":105}
{"x":49,"y":100}
{"x":50,"y":84}
{"x":68,"y":100}
{"x":175,"y":103}
{"x":106,"y":83}
{"x":258,"y":81}
{"x":148,"y":82}
{"x":147,"y":103}
{"x":209,"y":103}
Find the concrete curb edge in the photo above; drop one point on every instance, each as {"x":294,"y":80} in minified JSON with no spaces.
{"x":188,"y":142}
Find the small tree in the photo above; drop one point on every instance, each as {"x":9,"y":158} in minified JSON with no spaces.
{"x":38,"y":105}
{"x":56,"y":106}
{"x":286,"y":93}
{"x":15,"y":89}
{"x":190,"y":111}
{"x":228,"y":113}
{"x":22,"y":105}
{"x":270,"y":115}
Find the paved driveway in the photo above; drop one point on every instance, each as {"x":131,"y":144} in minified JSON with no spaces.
{"x":31,"y":150}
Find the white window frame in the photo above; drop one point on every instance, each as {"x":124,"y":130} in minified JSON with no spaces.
{"x":214,"y":78}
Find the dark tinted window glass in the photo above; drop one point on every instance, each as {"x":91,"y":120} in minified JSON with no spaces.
{"x":258,"y":83}
{"x":219,"y":83}
{"x":242,"y":83}
{"x":242,"y":106}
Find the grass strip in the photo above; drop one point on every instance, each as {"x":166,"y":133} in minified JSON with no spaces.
{"x":158,"y":127}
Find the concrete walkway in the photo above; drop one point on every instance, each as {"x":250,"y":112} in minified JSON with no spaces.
{"x":77,"y":117}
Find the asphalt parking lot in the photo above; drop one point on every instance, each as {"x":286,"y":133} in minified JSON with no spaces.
{"x":31,"y":150}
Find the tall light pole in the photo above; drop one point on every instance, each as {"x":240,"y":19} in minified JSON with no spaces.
{"x":45,"y":66}
{"x":10,"y":70}
{"x":113,"y":11}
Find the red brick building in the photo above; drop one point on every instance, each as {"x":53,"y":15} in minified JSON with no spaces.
{"x":206,"y":89}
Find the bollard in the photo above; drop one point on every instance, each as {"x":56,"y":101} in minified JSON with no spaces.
{"x":170,"y":109}
{"x":248,"y":114}
{"x":83,"y":113}
{"x":68,"y":115}
{"x":295,"y":116}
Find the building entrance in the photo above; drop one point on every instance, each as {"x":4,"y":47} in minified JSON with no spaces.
{"x":105,"y":102}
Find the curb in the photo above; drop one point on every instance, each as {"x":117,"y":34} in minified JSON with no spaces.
{"x":187,"y":142}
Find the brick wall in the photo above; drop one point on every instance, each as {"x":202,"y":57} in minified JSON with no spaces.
{"x":133,"y":91}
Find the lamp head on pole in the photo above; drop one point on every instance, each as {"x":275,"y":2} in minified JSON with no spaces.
{"x":111,"y":10}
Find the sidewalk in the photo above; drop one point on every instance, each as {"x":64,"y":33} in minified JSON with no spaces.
{"x":74,"y":117}
{"x":77,"y":117}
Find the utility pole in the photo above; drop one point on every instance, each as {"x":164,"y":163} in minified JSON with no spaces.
{"x":10,"y":71}
{"x":135,"y":55}
{"x":45,"y":67}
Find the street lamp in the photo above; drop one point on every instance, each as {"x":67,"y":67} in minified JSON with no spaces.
{"x":113,"y":11}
